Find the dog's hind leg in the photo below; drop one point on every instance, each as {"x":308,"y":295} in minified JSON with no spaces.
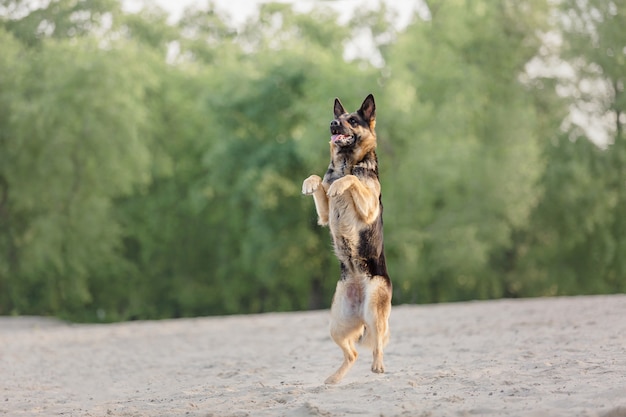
{"x":345,"y":338}
{"x":346,"y":323}
{"x":376,"y":317}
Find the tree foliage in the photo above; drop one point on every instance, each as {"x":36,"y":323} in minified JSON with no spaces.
{"x":150,"y":169}
{"x":578,"y":244}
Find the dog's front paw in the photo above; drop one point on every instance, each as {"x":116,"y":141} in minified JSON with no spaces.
{"x":341,"y":185}
{"x":311,"y":184}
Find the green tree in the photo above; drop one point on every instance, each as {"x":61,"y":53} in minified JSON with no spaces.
{"x":594,"y":42}
{"x":215,"y":231}
{"x":73,"y":143}
{"x":273,"y":254}
{"x":58,"y":19}
{"x":152,"y":170}
{"x":463,"y":133}
{"x":11,"y":69}
{"x":578,"y":245}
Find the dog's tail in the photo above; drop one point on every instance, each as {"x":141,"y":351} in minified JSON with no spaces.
{"x":368,"y":340}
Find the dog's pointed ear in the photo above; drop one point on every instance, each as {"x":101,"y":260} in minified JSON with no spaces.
{"x":338,"y":109}
{"x":368,"y":111}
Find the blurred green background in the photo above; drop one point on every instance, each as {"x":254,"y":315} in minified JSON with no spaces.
{"x":151,"y":169}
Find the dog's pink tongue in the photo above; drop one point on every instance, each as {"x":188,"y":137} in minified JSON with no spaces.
{"x":334,"y":138}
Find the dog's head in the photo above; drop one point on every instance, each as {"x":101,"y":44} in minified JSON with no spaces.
{"x":354,"y":132}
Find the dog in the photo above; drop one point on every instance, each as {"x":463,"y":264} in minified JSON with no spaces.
{"x":348,"y":201}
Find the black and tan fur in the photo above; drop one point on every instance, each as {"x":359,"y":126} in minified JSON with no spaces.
{"x":348,"y":200}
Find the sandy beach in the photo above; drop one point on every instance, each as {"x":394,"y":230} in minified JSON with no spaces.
{"x":533,"y":357}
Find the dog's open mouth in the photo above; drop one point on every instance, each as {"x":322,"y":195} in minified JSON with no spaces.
{"x":341,"y":139}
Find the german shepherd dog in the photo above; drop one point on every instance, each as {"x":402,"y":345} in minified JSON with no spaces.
{"x":348,"y":200}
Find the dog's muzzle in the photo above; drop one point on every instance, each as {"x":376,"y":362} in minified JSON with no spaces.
{"x":338,"y":134}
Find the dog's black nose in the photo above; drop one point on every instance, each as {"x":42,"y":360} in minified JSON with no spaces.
{"x":334,"y":123}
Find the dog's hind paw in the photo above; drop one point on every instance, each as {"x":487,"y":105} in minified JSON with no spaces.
{"x":311,"y":184}
{"x":333,"y":379}
{"x":378,"y":368}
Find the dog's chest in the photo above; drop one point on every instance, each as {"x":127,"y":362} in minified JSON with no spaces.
{"x":337,"y":169}
{"x":343,"y":165}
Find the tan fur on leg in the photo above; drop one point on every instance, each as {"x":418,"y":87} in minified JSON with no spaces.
{"x":346,"y":343}
{"x":376,"y":317}
{"x":313,"y":185}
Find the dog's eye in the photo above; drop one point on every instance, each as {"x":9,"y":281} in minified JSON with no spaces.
{"x":352,"y":121}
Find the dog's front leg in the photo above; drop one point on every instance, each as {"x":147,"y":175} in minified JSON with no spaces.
{"x":313,"y":186}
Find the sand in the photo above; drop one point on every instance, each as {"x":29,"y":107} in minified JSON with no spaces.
{"x":533,"y":357}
